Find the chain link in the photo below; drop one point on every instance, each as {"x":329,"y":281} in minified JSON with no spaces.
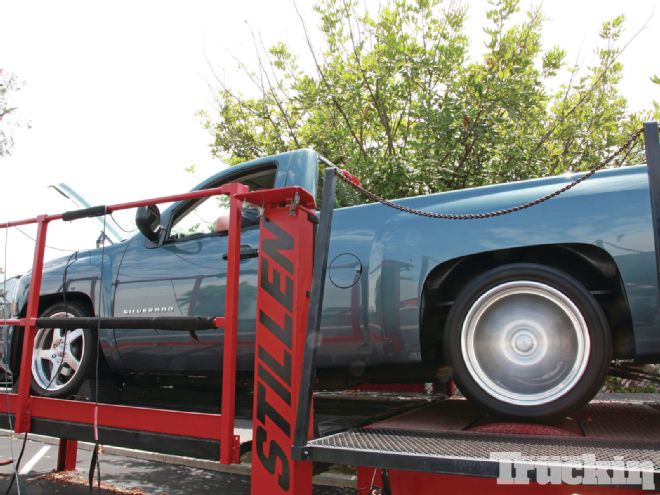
{"x":623,"y":151}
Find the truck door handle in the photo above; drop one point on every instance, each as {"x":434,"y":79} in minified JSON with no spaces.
{"x":247,"y":252}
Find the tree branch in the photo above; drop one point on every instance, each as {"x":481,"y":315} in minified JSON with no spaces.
{"x":375,"y":100}
{"x":6,"y":112}
{"x":587,"y":94}
{"x":273,"y":93}
{"x":260,"y":86}
{"x":334,"y":100}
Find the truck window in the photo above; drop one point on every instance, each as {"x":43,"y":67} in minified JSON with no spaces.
{"x":204,"y":216}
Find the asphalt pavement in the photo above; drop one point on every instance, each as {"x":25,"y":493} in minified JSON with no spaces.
{"x":120,"y":474}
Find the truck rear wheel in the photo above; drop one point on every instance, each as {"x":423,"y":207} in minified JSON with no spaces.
{"x":527,"y":341}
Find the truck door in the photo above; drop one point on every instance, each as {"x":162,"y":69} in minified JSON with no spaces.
{"x":185,"y":276}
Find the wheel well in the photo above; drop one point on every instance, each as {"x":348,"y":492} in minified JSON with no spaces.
{"x":80,"y":298}
{"x":590,"y":265}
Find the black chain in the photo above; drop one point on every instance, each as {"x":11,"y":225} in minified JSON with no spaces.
{"x":623,"y":151}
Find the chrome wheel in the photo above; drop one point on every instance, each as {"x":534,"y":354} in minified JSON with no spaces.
{"x":57,"y":355}
{"x":525,"y":342}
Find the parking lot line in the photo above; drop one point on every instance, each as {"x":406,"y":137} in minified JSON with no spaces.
{"x":31,"y":463}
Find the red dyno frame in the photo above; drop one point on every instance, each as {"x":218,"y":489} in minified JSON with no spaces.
{"x":206,"y":426}
{"x":286,"y":253}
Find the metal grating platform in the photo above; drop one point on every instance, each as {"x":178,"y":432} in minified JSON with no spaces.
{"x":464,"y":453}
{"x":621,"y":421}
{"x":613,"y":432}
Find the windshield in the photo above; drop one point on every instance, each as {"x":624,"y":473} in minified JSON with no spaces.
{"x":108,"y":231}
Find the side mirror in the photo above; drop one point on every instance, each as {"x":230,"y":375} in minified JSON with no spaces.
{"x":147,"y":219}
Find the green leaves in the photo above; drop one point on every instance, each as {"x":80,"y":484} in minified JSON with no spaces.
{"x":553,"y":60}
{"x":395,"y":98}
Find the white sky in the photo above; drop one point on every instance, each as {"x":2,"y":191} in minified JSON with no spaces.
{"x":111,"y":90}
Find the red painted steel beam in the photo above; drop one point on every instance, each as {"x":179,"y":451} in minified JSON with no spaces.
{"x":29,"y":221}
{"x":198,"y":425}
{"x":17,"y":322}
{"x":67,"y":453}
{"x":170,"y":422}
{"x":8,"y":402}
{"x":203,"y":193}
{"x":285,"y":278}
{"x":230,"y":446}
{"x":25,"y":376}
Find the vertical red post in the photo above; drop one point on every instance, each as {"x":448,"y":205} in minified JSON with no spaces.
{"x":25,"y":375}
{"x":230,"y":443}
{"x":285,"y":278}
{"x":67,"y":454}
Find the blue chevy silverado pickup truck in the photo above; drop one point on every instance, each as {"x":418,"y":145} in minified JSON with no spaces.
{"x":525,"y":310}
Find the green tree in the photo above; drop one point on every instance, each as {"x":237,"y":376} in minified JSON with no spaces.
{"x":396,"y":98}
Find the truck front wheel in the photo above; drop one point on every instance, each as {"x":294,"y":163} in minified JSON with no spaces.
{"x":527,"y":341}
{"x":62,"y":359}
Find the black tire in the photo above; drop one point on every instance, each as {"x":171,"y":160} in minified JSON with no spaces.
{"x":527,"y":341}
{"x":54,"y":373}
